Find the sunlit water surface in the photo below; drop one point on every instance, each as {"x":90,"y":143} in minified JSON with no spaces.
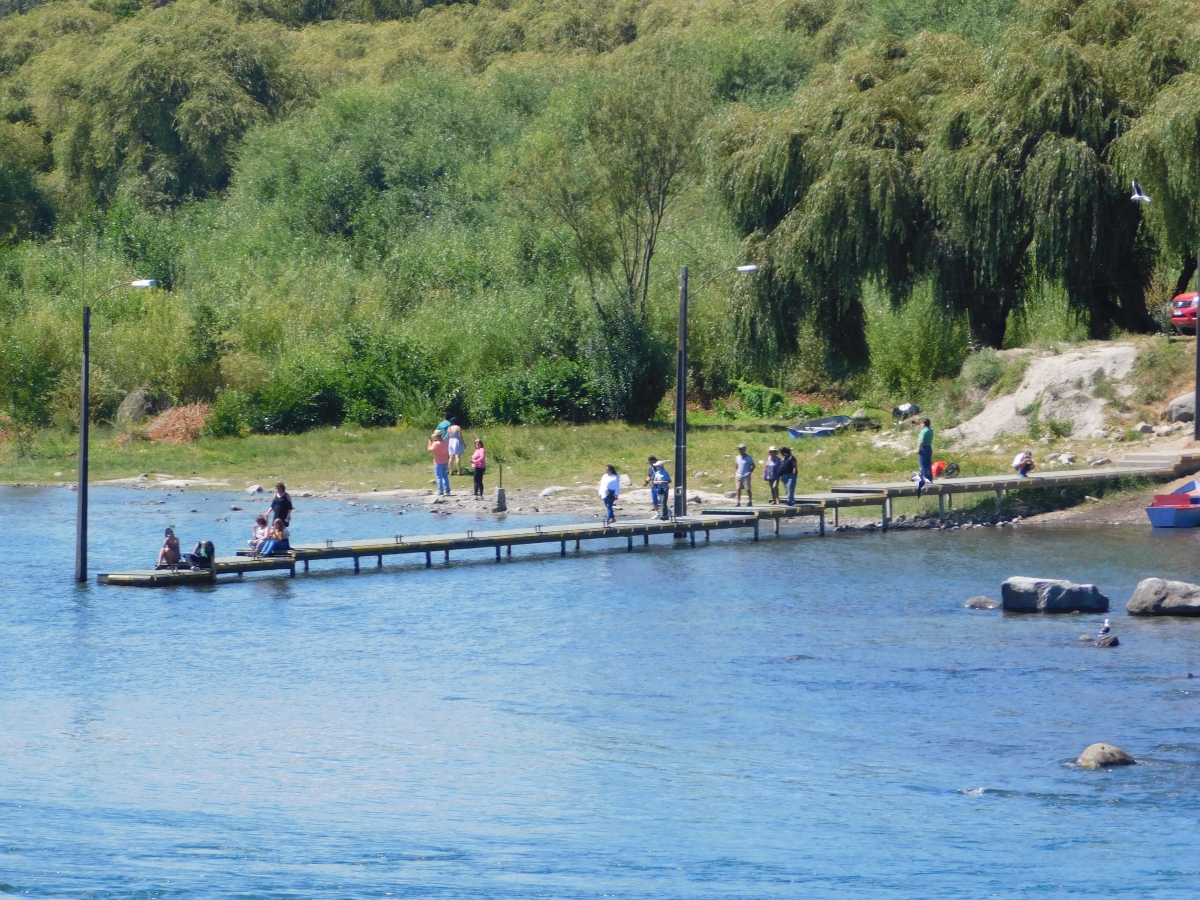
{"x":800,"y":717}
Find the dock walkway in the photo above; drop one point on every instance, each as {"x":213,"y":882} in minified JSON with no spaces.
{"x":1159,"y":466}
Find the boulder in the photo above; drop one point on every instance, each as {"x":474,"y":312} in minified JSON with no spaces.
{"x":625,"y":481}
{"x":1143,"y":428}
{"x":1182,"y":408}
{"x":982,"y":602}
{"x":1109,"y":640}
{"x":1101,"y":756}
{"x":1158,"y":597}
{"x":1099,"y":461}
{"x":1048,"y":595}
{"x":254,"y":489}
{"x":140,"y":405}
{"x":551,"y":491}
{"x":1100,"y":433}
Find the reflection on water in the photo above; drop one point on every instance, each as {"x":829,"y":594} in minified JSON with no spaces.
{"x":795,"y":718}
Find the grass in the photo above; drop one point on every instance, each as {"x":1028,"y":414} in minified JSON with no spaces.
{"x":534,"y":457}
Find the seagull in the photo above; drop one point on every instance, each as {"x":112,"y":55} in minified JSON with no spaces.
{"x":1104,"y":629}
{"x":920,"y":481}
{"x":1139,"y":196}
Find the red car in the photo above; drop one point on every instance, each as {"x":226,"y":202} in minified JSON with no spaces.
{"x":1183,"y":312}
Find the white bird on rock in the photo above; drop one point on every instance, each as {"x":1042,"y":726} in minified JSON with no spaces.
{"x":1104,"y":629}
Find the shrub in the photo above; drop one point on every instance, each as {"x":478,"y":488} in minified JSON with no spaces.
{"x":1010,"y":379}
{"x":760,"y":400}
{"x":231,"y":415}
{"x":983,"y":369}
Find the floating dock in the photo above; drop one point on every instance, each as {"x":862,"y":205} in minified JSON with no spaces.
{"x":1157,"y":466}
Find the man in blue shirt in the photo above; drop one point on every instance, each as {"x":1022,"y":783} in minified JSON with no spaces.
{"x":745,"y":466}
{"x":662,"y":485}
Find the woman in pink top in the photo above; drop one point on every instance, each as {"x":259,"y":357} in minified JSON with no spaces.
{"x":441,"y":462}
{"x":479,"y":466}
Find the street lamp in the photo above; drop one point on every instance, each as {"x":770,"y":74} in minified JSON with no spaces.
{"x":681,"y":374}
{"x":1140,"y":196}
{"x":81,"y":521}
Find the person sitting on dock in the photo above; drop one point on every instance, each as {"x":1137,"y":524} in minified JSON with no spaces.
{"x":661,"y":490}
{"x":277,"y":542}
{"x":202,"y":555}
{"x":168,"y":556}
{"x":440,"y":448}
{"x":771,"y":467}
{"x":609,"y":490}
{"x":281,"y":504}
{"x":745,"y":466}
{"x":1023,"y":463}
{"x":260,"y":532}
{"x":787,"y":473}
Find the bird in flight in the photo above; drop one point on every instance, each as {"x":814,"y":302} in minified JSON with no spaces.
{"x":1139,"y":196}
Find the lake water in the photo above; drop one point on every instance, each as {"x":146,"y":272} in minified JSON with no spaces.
{"x":800,"y":717}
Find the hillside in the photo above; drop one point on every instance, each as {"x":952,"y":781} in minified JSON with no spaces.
{"x":374,"y":210}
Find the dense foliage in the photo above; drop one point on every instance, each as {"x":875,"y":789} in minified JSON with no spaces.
{"x":376,"y":210}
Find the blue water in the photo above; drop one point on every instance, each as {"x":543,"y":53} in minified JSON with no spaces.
{"x":801,"y":717}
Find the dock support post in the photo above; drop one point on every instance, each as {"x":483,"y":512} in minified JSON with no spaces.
{"x":576,"y":545}
{"x":756,"y":530}
{"x":706,"y":535}
{"x":631,"y":542}
{"x":822,"y":522}
{"x":887,"y":512}
{"x":836,"y":509}
{"x":646,"y":539}
{"x":291,"y":572}
{"x":497,"y":553}
{"x":999,"y":503}
{"x":447,"y":552}
{"x":509,"y":551}
{"x":777,"y":524}
{"x":692,"y":536}
{"x":241,"y":574}
{"x":562,"y":548}
{"x":428,"y":559}
{"x":356,"y":564}
{"x":941,"y":507}
{"x":379,"y":561}
{"x":306,"y":565}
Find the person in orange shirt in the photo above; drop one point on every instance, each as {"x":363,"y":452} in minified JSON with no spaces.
{"x":440,"y":448}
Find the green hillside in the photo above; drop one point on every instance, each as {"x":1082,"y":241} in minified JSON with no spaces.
{"x":374,"y":210}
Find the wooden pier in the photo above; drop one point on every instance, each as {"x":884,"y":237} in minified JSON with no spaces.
{"x":1160,"y":466}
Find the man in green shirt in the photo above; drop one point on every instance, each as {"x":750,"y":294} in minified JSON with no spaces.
{"x":925,"y":450}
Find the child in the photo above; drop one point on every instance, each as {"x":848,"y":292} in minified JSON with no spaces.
{"x":260,"y":533}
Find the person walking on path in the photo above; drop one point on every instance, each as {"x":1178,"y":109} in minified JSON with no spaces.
{"x":478,"y":466}
{"x":440,"y":449}
{"x":454,"y":438}
{"x":281,"y":505}
{"x":609,"y":490}
{"x":662,"y":490}
{"x":925,"y":450}
{"x":745,"y":467}
{"x":787,"y":474}
{"x":771,"y":467}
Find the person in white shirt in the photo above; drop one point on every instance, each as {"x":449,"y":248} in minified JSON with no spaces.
{"x":609,"y":490}
{"x":745,"y":465}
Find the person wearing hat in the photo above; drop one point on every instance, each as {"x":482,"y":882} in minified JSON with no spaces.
{"x":661,"y":489}
{"x":650,"y":481}
{"x":745,"y":467}
{"x":169,"y":554}
{"x":771,"y":474}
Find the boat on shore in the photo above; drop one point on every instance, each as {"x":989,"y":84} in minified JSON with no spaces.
{"x":1178,"y":509}
{"x":822,"y":427}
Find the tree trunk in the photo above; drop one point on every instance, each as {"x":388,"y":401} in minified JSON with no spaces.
{"x":1185,"y":278}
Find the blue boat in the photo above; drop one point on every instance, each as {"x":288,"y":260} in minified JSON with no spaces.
{"x":1178,"y":509}
{"x":822,"y":427}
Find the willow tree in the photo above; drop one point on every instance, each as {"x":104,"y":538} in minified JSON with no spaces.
{"x":608,"y":180}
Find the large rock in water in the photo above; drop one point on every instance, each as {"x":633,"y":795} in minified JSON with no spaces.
{"x":1157,"y":597}
{"x":1020,"y":594}
{"x":140,"y":405}
{"x":1100,"y":756}
{"x":982,"y":602}
{"x":1182,"y":408}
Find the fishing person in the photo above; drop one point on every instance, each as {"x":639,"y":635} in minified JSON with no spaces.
{"x":745,"y":467}
{"x":925,"y":450}
{"x":609,"y":490}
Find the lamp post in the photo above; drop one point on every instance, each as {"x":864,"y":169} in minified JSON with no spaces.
{"x":81,"y":521}
{"x":1140,"y":196}
{"x":681,"y":372}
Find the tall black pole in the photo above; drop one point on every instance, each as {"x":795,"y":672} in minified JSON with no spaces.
{"x":81,"y":521}
{"x":681,"y":374}
{"x":1196,"y":395}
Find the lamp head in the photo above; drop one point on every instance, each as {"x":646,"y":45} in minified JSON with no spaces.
{"x":143,"y":283}
{"x":746,"y":270}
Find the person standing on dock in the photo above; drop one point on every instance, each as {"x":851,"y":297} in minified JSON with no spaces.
{"x":609,"y":490}
{"x":661,"y":490}
{"x":771,"y":468}
{"x":787,"y":473}
{"x":281,"y":504}
{"x":440,"y":449}
{"x":925,"y":450}
{"x":653,"y":460}
{"x":745,"y":467}
{"x":478,"y":466}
